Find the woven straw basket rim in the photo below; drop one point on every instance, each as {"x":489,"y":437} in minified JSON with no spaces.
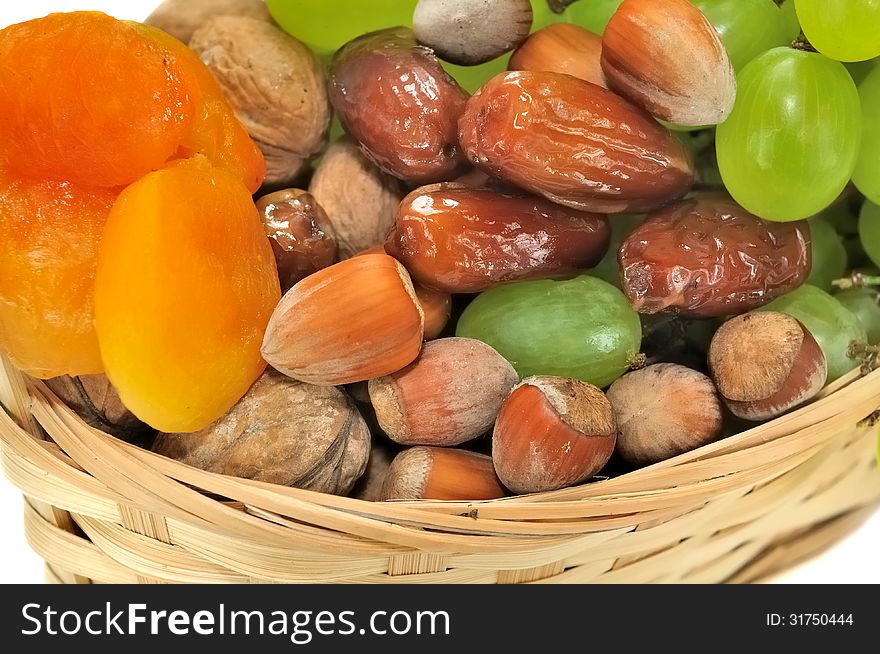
{"x":99,"y":509}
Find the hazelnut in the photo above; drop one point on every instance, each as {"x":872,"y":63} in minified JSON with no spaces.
{"x":435,"y":473}
{"x":436,"y":305}
{"x":360,"y":200}
{"x":765,"y":364}
{"x":667,"y":58}
{"x":552,"y":433}
{"x":300,"y":233}
{"x":450,"y":395}
{"x":275,"y":85}
{"x":94,"y":399}
{"x":472,"y":32}
{"x":562,"y":48}
{"x":664,"y":410}
{"x":181,"y":18}
{"x":281,"y":432}
{"x":354,"y":321}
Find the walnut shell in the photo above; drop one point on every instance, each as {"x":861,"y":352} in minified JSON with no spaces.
{"x":360,"y":199}
{"x":282,"y":432}
{"x":276,"y":86}
{"x":94,"y":399}
{"x":181,"y":18}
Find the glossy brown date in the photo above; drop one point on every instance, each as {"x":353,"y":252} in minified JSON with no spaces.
{"x":460,"y":239}
{"x":574,"y":143}
{"x":300,"y":233}
{"x":394,"y":98}
{"x":710,"y":257}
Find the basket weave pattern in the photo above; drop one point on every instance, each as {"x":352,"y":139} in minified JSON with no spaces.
{"x":100,"y":510}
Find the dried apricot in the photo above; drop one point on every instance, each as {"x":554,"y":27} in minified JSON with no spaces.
{"x":50,"y":233}
{"x":85,"y":98}
{"x":186,"y":284}
{"x":215,"y":132}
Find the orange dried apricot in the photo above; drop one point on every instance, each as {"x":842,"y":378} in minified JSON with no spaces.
{"x":50,"y":233}
{"x":85,"y":98}
{"x":185,"y":287}
{"x":215,"y":132}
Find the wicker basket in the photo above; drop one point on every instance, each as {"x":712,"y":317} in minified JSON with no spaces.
{"x":100,"y":510}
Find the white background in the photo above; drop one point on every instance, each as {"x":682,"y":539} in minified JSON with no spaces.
{"x":856,"y":560}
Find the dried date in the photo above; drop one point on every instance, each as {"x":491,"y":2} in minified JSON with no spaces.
{"x":459,"y":239}
{"x":710,"y":257}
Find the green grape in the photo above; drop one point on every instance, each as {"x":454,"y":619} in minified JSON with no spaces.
{"x":867,"y":174}
{"x":790,"y":145}
{"x":865,"y":304}
{"x":832,"y":325}
{"x":582,"y":328}
{"x":845,"y":221}
{"x":592,"y":14}
{"x":859,"y":70}
{"x":790,"y":20}
{"x":841,"y":216}
{"x":747,"y":27}
{"x":324,"y":26}
{"x":846,"y":30}
{"x":542,"y":15}
{"x":622,"y":226}
{"x":829,"y":254}
{"x":869,"y":231}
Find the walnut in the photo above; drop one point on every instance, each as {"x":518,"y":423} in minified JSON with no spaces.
{"x":180,"y":18}
{"x":94,"y":399}
{"x":360,"y":199}
{"x":282,"y":432}
{"x":276,"y":86}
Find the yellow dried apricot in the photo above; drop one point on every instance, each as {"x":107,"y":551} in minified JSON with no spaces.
{"x":185,"y":287}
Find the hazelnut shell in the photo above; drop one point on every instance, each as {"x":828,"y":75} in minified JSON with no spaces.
{"x":450,"y":395}
{"x":562,"y":48}
{"x":552,"y":433}
{"x":765,"y":364}
{"x":664,"y":410}
{"x":434,"y":473}
{"x":472,"y":32}
{"x":354,"y":321}
{"x":668,"y":58}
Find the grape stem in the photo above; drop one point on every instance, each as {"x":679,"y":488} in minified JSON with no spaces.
{"x":857,"y":280}
{"x":869,"y":355}
{"x":637,"y":361}
{"x":559,"y":6}
{"x":803,"y":43}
